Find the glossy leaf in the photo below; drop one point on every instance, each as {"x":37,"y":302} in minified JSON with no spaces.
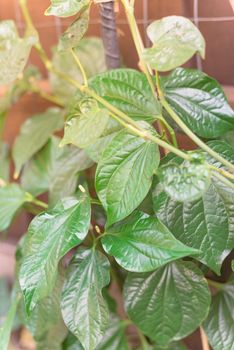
{"x":12,"y":198}
{"x":175,"y":40}
{"x":65,"y":8}
{"x":34,"y":134}
{"x":74,"y":33}
{"x":124,"y":174}
{"x":86,"y":128}
{"x":14,"y":51}
{"x":186,"y":182}
{"x":56,"y":232}
{"x":63,"y":61}
{"x":199,"y":101}
{"x":55,"y":170}
{"x":84,"y":309}
{"x":129,"y":91}
{"x":219,"y":325}
{"x":198,"y":224}
{"x":4,"y":162}
{"x":46,"y":324}
{"x":142,"y":243}
{"x":169,"y":303}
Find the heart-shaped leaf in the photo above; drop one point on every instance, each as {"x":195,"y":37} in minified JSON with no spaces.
{"x":175,"y":40}
{"x":169,"y":303}
{"x":142,"y":243}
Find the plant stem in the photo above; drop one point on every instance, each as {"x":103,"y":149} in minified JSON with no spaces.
{"x":142,"y":338}
{"x":170,"y":130}
{"x":224,"y":180}
{"x":39,"y":203}
{"x":95,"y":201}
{"x":215,"y":284}
{"x":204,"y":340}
{"x":76,"y":58}
{"x":192,"y":136}
{"x":222,"y":172}
{"x":48,"y":97}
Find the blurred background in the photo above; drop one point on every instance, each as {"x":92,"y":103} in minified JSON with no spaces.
{"x":215,"y":19}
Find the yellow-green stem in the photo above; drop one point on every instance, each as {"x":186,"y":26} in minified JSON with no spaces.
{"x":76,"y":58}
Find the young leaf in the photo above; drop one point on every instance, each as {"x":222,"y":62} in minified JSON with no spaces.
{"x":186,"y":182}
{"x":55,"y":170}
{"x":14,"y":51}
{"x":65,"y":8}
{"x":124,"y":174}
{"x":84,"y":309}
{"x":198,"y":224}
{"x":169,"y":303}
{"x":129,"y":91}
{"x":219,"y":325}
{"x":56,"y":232}
{"x":45,"y":323}
{"x":34,"y":134}
{"x":199,"y":101}
{"x":175,"y":40}
{"x":12,"y":198}
{"x":86,"y":128}
{"x":64,"y":61}
{"x":142,"y":243}
{"x":74,"y":33}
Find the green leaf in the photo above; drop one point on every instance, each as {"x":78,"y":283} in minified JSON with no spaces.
{"x":198,"y":224}
{"x":72,"y":343}
{"x":86,"y":128}
{"x":169,"y":303}
{"x":175,"y":40}
{"x":45,"y":323}
{"x":65,"y":8}
{"x":74,"y":33}
{"x":129,"y":91}
{"x":12,"y":198}
{"x":199,"y":101}
{"x":14,"y":51}
{"x":142,"y":243}
{"x":5,"y":329}
{"x":124,"y":174}
{"x":219,"y":325}
{"x":34,"y":134}
{"x":186,"y":182}
{"x":4,"y":162}
{"x":85,"y":312}
{"x":55,"y":170}
{"x":56,"y":232}
{"x":63,"y":61}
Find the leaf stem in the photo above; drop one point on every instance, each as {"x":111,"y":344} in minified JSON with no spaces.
{"x":221,"y":171}
{"x":39,"y":203}
{"x":204,"y":340}
{"x":95,"y":201}
{"x":142,"y":338}
{"x":215,"y":284}
{"x":170,"y":130}
{"x":224,"y":180}
{"x":54,"y":99}
{"x":192,"y":136}
{"x":76,"y":58}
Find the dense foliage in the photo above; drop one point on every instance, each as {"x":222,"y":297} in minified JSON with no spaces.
{"x":127,"y":208}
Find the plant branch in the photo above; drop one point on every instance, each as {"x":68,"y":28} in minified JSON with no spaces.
{"x":54,"y":99}
{"x":76,"y":58}
{"x":204,"y":340}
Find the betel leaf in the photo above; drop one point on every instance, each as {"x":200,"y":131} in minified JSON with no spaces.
{"x":206,"y":224}
{"x":56,"y":232}
{"x":129,"y":91}
{"x":84,"y":129}
{"x":34,"y":134}
{"x":12,"y":198}
{"x":185,"y":182}
{"x":175,"y":40}
{"x":172,"y":346}
{"x":64,"y":61}
{"x":219,"y":325}
{"x":124,"y":174}
{"x":85,"y":311}
{"x":45,"y":323}
{"x":199,"y":101}
{"x":55,"y":170}
{"x":14,"y":51}
{"x":74,"y":33}
{"x":4,"y":162}
{"x":169,"y":303}
{"x":142,"y":243}
{"x":65,"y":8}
